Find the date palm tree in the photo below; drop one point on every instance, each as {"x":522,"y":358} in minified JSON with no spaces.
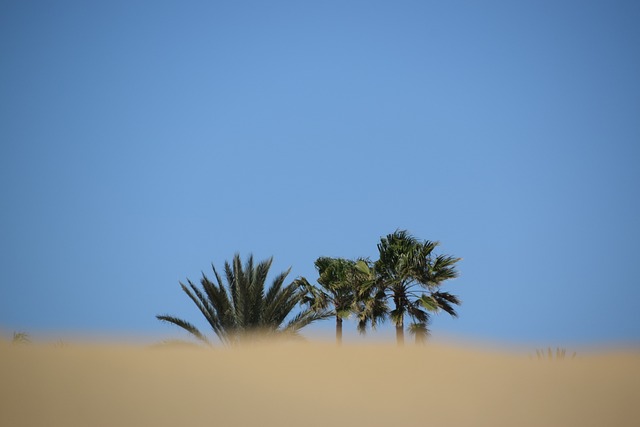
{"x":243,"y":308}
{"x":411,"y":275}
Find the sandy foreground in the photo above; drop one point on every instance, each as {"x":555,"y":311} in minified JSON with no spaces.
{"x":313,"y":384}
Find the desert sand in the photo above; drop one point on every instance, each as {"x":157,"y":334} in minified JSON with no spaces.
{"x":313,"y":384}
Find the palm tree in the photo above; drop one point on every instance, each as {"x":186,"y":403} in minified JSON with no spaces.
{"x":370,"y":302}
{"x":335,"y":292}
{"x":411,"y":275}
{"x":243,"y":308}
{"x":343,"y":288}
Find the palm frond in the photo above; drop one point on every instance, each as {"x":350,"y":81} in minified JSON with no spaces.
{"x":223,"y":321}
{"x":371,"y":310}
{"x":184,"y":325}
{"x":417,"y":313}
{"x":443,"y":268}
{"x":288,"y":298}
{"x":420,"y":330}
{"x":201,"y":302}
{"x":305,"y":318}
{"x":428,"y":302}
{"x":397,"y":315}
{"x":313,"y":297}
{"x":446,"y":301}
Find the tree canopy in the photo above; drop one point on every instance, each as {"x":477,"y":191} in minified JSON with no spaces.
{"x":411,"y":275}
{"x":242,"y":308}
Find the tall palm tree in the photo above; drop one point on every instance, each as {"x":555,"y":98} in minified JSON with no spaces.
{"x":243,"y":308}
{"x":411,"y":275}
{"x":343,"y":285}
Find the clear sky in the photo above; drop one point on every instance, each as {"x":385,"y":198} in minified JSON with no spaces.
{"x":140,"y":141}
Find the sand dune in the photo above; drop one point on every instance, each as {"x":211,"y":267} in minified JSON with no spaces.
{"x":312,"y":384}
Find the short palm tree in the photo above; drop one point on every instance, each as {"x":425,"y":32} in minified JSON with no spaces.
{"x":411,"y":275}
{"x":342,"y":285}
{"x":244,"y":308}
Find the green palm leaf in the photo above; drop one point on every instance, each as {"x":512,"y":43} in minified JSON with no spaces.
{"x":184,"y":325}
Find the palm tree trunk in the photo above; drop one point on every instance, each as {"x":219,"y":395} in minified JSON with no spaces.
{"x":400,"y":333}
{"x":338,"y":330}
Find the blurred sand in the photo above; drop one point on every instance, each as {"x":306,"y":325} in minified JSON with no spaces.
{"x":312,"y":384}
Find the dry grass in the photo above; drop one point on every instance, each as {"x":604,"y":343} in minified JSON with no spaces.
{"x":311,"y":384}
{"x":560,"y":354}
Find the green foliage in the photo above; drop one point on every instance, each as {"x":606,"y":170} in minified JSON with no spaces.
{"x":410,"y":274}
{"x":342,"y":289}
{"x":243,"y":309}
{"x":420,"y":331}
{"x":407,"y":273}
{"x":338,"y":282}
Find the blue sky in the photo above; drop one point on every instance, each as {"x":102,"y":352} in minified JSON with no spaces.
{"x":142,"y":141}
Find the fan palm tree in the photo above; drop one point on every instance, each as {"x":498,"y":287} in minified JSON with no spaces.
{"x":244,"y":308}
{"x":411,"y":275}
{"x":370,"y":302}
{"x":343,"y":289}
